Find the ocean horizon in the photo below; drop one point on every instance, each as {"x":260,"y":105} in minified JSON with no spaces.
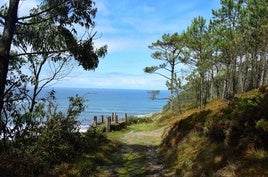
{"x":104,"y":101}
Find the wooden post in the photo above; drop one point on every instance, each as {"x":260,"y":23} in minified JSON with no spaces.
{"x":108,"y":124}
{"x":113,"y":116}
{"x":95,"y":121}
{"x":102,"y":119}
{"x":116,"y":119}
{"x":125,"y":118}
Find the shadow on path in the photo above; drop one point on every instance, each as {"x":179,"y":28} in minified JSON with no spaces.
{"x":134,"y":160}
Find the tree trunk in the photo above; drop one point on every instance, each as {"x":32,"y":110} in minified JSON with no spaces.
{"x":242,"y":73}
{"x":226,"y":87}
{"x":234,"y":77}
{"x":211,"y":86}
{"x":172,"y":82}
{"x":202,"y":91}
{"x":5,"y":45}
{"x":263,"y":69}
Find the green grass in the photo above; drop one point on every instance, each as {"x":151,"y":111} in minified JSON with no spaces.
{"x":131,"y":157}
{"x":143,"y":127}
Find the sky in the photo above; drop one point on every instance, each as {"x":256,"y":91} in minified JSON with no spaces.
{"x":128,"y":27}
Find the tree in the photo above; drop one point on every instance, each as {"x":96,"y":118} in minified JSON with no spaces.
{"x":198,"y":43}
{"x":47,"y":36}
{"x":254,"y":30}
{"x":227,"y":38}
{"x":49,"y":31}
{"x":170,"y":51}
{"x":9,"y":20}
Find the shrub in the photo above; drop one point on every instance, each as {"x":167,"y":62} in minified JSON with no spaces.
{"x":49,"y":143}
{"x":136,"y":120}
{"x":216,"y":132}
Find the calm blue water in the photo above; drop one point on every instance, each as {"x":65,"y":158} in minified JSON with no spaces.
{"x":105,"y":101}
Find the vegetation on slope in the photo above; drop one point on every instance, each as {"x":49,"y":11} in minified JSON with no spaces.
{"x":226,"y":139}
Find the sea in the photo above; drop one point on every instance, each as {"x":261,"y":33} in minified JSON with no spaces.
{"x":103,"y":102}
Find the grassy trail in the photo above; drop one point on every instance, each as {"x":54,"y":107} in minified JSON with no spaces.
{"x":137,"y":155}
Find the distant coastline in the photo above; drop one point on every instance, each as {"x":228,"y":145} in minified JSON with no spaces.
{"x":104,"y":101}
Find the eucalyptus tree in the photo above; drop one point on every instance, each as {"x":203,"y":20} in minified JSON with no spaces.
{"x":198,"y":43}
{"x":49,"y":35}
{"x":170,"y":52}
{"x":49,"y":31}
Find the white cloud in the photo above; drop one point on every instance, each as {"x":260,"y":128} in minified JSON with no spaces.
{"x":148,"y":9}
{"x":138,"y":26}
{"x":114,"y":80}
{"x":121,"y":44}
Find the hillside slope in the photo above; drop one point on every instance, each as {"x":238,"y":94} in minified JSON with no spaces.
{"x":225,"y":139}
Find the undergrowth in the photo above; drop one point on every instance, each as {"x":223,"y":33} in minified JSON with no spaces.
{"x":222,"y":140}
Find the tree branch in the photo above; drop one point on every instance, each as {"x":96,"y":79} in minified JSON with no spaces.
{"x":2,"y":22}
{"x":53,"y":77}
{"x":2,"y":19}
{"x":34,"y":23}
{"x":41,"y":12}
{"x":40,"y":53}
{"x":162,"y":75}
{"x":2,"y":16}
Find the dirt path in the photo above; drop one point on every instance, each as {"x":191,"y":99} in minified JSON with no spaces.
{"x":137,"y":156}
{"x":150,"y":140}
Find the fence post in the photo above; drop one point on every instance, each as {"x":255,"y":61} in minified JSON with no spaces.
{"x":113,"y":116}
{"x":95,"y":121}
{"x":126,"y":118}
{"x":116,"y":119}
{"x":102,"y":119}
{"x":108,"y":124}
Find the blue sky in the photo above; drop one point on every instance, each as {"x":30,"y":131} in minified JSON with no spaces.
{"x":128,"y":27}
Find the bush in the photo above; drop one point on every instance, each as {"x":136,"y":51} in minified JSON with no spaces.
{"x":56,"y":140}
{"x":216,"y":132}
{"x":136,"y":120}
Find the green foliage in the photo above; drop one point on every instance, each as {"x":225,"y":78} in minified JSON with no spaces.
{"x":170,"y":52}
{"x":83,"y":51}
{"x":242,"y":123}
{"x":262,"y":124}
{"x":48,"y":34}
{"x":227,"y":56}
{"x":41,"y":146}
{"x":136,"y":120}
{"x":31,"y":128}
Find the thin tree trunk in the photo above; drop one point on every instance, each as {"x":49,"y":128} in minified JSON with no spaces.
{"x":263,"y":69}
{"x":202,"y":91}
{"x":242,"y":74}
{"x":5,"y":46}
{"x":226,"y":85}
{"x":212,"y":81}
{"x":234,"y":78}
{"x":172,"y":82}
